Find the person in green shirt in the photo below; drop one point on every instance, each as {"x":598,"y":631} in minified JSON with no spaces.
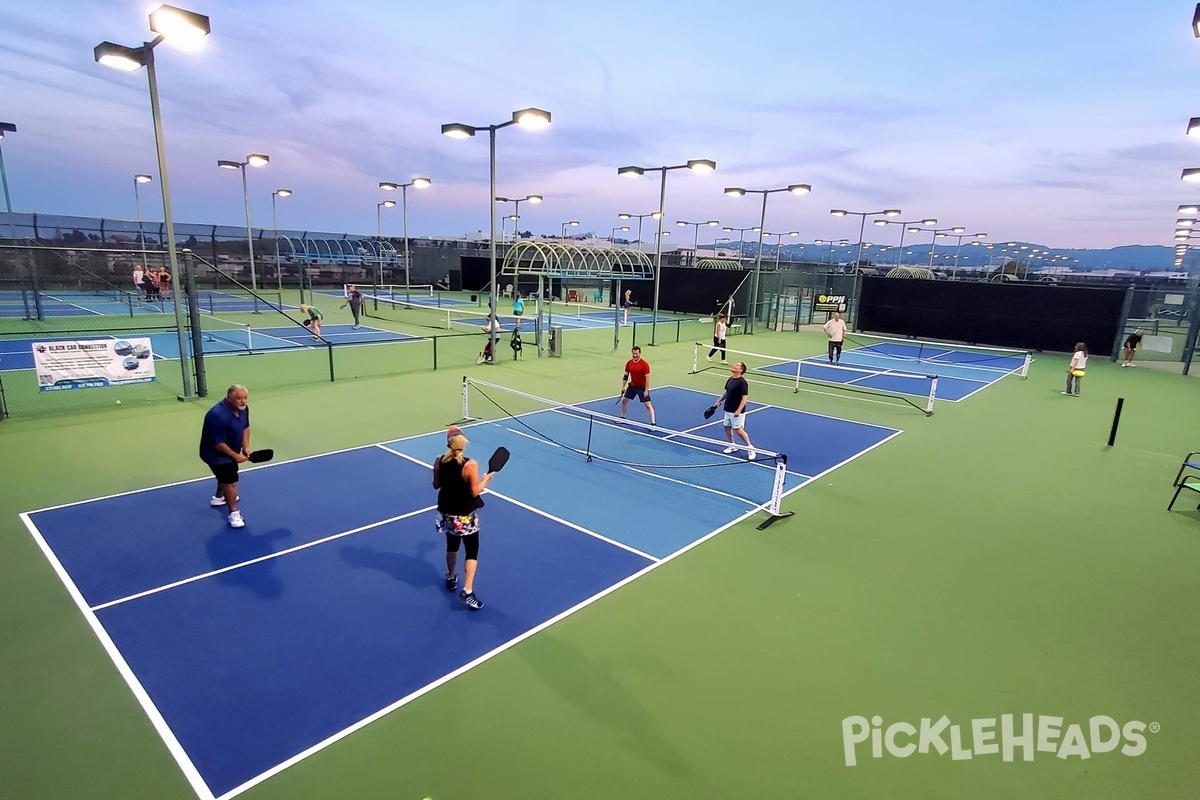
{"x":313,"y":322}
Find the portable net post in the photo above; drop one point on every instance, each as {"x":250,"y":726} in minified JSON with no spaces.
{"x":774,"y":510}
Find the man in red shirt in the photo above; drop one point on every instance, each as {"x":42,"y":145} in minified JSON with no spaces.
{"x":636,"y":383}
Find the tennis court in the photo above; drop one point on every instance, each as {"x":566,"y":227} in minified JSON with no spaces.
{"x":641,"y":637}
{"x":901,"y":368}
{"x":69,"y":303}
{"x":252,"y":649}
{"x":17,"y":353}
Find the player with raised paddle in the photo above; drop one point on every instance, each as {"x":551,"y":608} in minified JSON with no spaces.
{"x":459,"y":485}
{"x":225,"y":443}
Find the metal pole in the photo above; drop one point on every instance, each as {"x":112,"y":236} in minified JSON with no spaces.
{"x":137,"y":202}
{"x":639,"y":235}
{"x":492,"y":223}
{"x":249,"y":236}
{"x":861,"y":227}
{"x":957,"y":250}
{"x":662,"y":213}
{"x":170,"y":225}
{"x":900,"y":249}
{"x":194,"y":324}
{"x":404,"y":214}
{"x":4,"y":180}
{"x":762,"y":226}
{"x":275,"y":228}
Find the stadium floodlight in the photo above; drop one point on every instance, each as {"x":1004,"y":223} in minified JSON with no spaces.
{"x":531,"y":118}
{"x":738,"y":191}
{"x":697,"y":165}
{"x":252,"y":160}
{"x":175,"y":24}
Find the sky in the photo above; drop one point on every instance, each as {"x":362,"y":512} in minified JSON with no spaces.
{"x":1059,"y":122}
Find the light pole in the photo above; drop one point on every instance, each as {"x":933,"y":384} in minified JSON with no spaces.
{"x":137,"y":204}
{"x":940,"y":233}
{"x":379,"y":207}
{"x":841,"y":212}
{"x":831,"y":243}
{"x":717,"y":242}
{"x":563,"y":228}
{"x":5,"y":127}
{"x":736,"y":191}
{"x":416,"y":183}
{"x":175,"y":22}
{"x":779,"y":243}
{"x":533,"y":118}
{"x":640,"y":217}
{"x":903,"y":227}
{"x":741,"y":232}
{"x":275,"y":227}
{"x":958,"y":247}
{"x":612,"y":237}
{"x":701,"y":166}
{"x":516,"y":215}
{"x":712,"y":223}
{"x":253,"y":160}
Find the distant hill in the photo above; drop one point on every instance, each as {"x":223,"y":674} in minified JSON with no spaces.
{"x":1138,"y":257}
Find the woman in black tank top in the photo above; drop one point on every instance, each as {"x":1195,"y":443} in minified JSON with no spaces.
{"x":457,"y":480}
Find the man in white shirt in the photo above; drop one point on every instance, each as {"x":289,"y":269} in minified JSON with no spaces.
{"x":835,"y":332}
{"x":139,"y":277}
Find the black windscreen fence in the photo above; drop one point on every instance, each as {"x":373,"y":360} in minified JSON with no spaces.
{"x":1030,"y":316}
{"x":688,"y":290}
{"x":685,"y":290}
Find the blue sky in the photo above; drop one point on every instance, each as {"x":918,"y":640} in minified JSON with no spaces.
{"x":1057,"y":122}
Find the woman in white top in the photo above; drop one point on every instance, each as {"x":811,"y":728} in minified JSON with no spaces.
{"x":719,"y":339}
{"x":1076,"y":369}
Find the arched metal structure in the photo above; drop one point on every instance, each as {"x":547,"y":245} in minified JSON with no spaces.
{"x":720,"y":263}
{"x":588,"y":268}
{"x":564,"y":260}
{"x":920,"y":273}
{"x":323,"y":250}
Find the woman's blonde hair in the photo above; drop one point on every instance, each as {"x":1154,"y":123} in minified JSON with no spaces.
{"x":456,"y":444}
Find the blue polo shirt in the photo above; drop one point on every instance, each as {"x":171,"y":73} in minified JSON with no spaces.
{"x":222,"y":424}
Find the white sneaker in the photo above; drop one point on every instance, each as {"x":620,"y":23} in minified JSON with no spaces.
{"x":709,"y":358}
{"x":217,"y":500}
{"x":753,"y":455}
{"x":730,"y":449}
{"x":235,"y":520}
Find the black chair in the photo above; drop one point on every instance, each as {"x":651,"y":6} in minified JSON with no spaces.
{"x":1191,"y":482}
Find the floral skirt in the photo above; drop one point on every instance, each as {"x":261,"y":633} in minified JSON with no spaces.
{"x":455,"y":525}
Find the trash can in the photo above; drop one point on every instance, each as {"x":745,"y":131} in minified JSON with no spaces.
{"x":556,"y":341}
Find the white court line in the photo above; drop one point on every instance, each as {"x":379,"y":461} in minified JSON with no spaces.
{"x":471,"y":665}
{"x":81,"y":308}
{"x":537,"y":511}
{"x":267,"y":557}
{"x":168,"y":736}
{"x":139,"y":692}
{"x":198,"y":480}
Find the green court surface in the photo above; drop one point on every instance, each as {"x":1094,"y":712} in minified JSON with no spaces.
{"x":995,"y":559}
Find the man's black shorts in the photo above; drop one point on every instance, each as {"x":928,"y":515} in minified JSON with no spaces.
{"x":640,"y":392}
{"x":225,"y":473}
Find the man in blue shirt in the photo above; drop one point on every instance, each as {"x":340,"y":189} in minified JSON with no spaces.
{"x":225,"y":443}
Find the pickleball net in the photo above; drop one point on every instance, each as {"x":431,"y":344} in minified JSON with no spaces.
{"x":657,"y":453}
{"x":882,"y":351}
{"x":391,"y":291}
{"x":890,"y":386}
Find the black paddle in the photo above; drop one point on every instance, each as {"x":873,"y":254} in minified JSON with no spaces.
{"x":498,"y":459}
{"x":708,"y":412}
{"x":259,"y":456}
